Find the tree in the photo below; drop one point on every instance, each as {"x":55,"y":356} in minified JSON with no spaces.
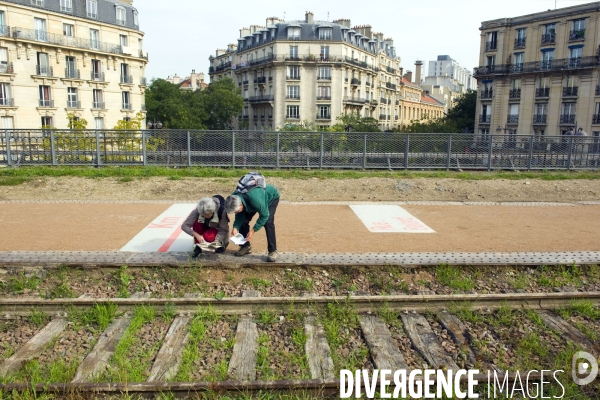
{"x":175,"y":108}
{"x":464,"y":111}
{"x":222,"y":102}
{"x":75,"y":122}
{"x":353,"y":122}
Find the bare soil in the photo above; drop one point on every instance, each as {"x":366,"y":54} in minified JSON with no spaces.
{"x":313,"y":189}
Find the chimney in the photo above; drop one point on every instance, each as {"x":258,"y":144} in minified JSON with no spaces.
{"x":193,"y":83}
{"x":309,"y":18}
{"x":408,"y":76}
{"x":418,"y":66}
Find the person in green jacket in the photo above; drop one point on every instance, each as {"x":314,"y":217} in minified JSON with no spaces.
{"x":245,"y":206}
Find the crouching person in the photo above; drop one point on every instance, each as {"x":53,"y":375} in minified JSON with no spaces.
{"x":208,"y":223}
{"x":245,"y":206}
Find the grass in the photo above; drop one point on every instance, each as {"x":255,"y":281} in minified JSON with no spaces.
{"x":453,"y":277}
{"x":39,"y":318}
{"x":266,"y":317}
{"x":258,"y":283}
{"x":298,"y":282}
{"x":21,"y":282}
{"x":12,"y":180}
{"x":100,"y":315}
{"x":27,"y":172}
{"x":62,"y":289}
{"x":34,"y":372}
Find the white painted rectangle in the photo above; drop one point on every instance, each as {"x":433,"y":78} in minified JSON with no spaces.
{"x":164,"y":234}
{"x":390,"y":219}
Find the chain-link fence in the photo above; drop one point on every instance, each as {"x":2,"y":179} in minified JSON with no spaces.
{"x":251,"y":149}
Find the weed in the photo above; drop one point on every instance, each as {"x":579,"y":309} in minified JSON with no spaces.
{"x":258,"y":283}
{"x":13,"y":180}
{"x":21,"y":282}
{"x":262,"y":364}
{"x":298,"y":282}
{"x":453,"y":277}
{"x":389,"y":316}
{"x":504,"y":315}
{"x":100,"y":315}
{"x":38,"y":318}
{"x":169,"y":312}
{"x":266,"y":317}
{"x":519,"y":282}
{"x":125,"y":179}
{"x":465,"y":312}
{"x":220,"y":295}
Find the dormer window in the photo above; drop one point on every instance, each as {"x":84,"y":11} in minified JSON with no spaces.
{"x":121,"y":16}
{"x":293,"y":33}
{"x":325,"y":33}
{"x":92,"y":9}
{"x":135,"y":19}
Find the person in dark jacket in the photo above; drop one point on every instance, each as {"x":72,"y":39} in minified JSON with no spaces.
{"x":245,"y":206}
{"x":208,"y":223}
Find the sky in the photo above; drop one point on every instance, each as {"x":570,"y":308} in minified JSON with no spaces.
{"x":181,"y":37}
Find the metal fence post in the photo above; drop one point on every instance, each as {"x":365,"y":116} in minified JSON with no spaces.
{"x":490,"y":145}
{"x":570,"y":153}
{"x":449,"y":153}
{"x":277,"y":150}
{"x":530,"y":156}
{"x":407,"y":144}
{"x":144,"y":152}
{"x":189,"y":149}
{"x":52,"y":149}
{"x":8,"y":155}
{"x":321,"y":152}
{"x":364,"y":162}
{"x":233,"y":149}
{"x":97,"y":148}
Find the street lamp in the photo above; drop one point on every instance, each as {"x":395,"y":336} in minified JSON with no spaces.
{"x":154,"y":125}
{"x":500,"y":129}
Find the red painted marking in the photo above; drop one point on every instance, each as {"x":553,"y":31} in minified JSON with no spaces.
{"x":165,"y":247}
{"x":165,"y":223}
{"x":381,"y":226}
{"x":411,"y":224}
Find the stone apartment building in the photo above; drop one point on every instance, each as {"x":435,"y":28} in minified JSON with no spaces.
{"x":60,"y":57}
{"x":295,"y":71}
{"x":446,"y":80}
{"x":539,"y":73}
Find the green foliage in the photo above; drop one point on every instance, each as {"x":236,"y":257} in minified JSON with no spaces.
{"x":132,"y":124}
{"x":355,"y":123}
{"x":75,"y":122}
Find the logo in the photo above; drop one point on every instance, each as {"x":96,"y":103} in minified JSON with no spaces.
{"x":584,"y":368}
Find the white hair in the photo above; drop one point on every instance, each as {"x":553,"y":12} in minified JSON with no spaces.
{"x":232,"y":204}
{"x":207,"y":206}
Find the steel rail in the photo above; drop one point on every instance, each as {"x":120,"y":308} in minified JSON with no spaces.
{"x":14,"y":307}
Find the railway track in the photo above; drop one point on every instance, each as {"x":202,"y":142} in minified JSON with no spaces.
{"x":194,"y":346}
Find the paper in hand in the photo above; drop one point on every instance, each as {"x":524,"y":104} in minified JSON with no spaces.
{"x":238,"y":239}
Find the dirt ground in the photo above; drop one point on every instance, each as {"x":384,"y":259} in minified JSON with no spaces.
{"x":314,"y":189}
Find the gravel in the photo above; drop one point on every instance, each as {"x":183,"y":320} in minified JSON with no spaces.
{"x":14,"y":334}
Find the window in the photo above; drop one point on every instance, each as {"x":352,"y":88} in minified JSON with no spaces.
{"x":135,"y":19}
{"x":97,"y":101}
{"x":518,"y":63}
{"x":45,"y":99}
{"x":40,"y":30}
{"x":293,"y":92}
{"x":579,"y":24}
{"x":43,"y":67}
{"x":7,"y":123}
{"x":543,"y":83}
{"x":126,"y":100}
{"x":97,"y":70}
{"x":39,"y":3}
{"x":575,"y":56}
{"x":568,"y":109}
{"x":293,"y":33}
{"x":123,"y":40}
{"x":66,"y":6}
{"x":324,"y":112}
{"x":5,"y":97}
{"x":68,"y":30}
{"x":92,"y":8}
{"x":514,"y":112}
{"x":71,"y":68}
{"x":325,"y":33}
{"x":541,"y":109}
{"x":125,"y":77}
{"x":4,"y":60}
{"x":72,"y":98}
{"x":521,"y":33}
{"x":294,"y":72}
{"x":547,"y":57}
{"x":47,"y":122}
{"x":515,"y":84}
{"x":324,"y":52}
{"x":293,"y":112}
{"x":293,"y":52}
{"x":491,"y":61}
{"x":99,"y":123}
{"x":492,"y":41}
{"x":121,"y":16}
{"x":2,"y":23}
{"x":323,"y":93}
{"x":94,"y":39}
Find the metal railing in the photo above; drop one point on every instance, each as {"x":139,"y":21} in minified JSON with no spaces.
{"x":486,"y":119}
{"x":44,"y":70}
{"x":7,"y":102}
{"x":358,"y":100}
{"x":570,"y":91}
{"x":512,"y":119}
{"x":539,"y":118}
{"x":489,"y":46}
{"x":542,"y":92}
{"x":73,"y":104}
{"x":71,"y":73}
{"x":487,"y":94}
{"x":577,"y":34}
{"x":4,"y":30}
{"x":520,"y":43}
{"x":97,"y":76}
{"x":323,"y":116}
{"x":596,"y":119}
{"x":561,"y":64}
{"x":514,"y":93}
{"x":261,"y":99}
{"x":7,"y":68}
{"x":127,"y":106}
{"x":252,"y":149}
{"x":568,"y":119}
{"x":126,"y":79}
{"x":46,"y":103}
{"x":355,"y":81}
{"x":548,"y":38}
{"x":98,"y":105}
{"x":62,"y":40}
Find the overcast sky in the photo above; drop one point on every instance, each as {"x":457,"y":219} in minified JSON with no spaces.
{"x":182,"y":36}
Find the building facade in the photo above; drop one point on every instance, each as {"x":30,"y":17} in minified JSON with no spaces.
{"x":62,"y":57}
{"x":446,"y":81}
{"x":193,"y":82}
{"x":539,"y":73}
{"x":314,"y":71}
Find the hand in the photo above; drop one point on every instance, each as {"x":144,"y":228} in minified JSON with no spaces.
{"x":199,"y":237}
{"x":234,"y":232}
{"x":249,"y":235}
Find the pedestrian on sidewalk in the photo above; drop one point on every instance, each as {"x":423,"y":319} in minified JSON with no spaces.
{"x":259,"y":200}
{"x":208,"y":223}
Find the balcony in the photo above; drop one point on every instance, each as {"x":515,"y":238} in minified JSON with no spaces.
{"x":223,"y":66}
{"x":548,"y":38}
{"x":368,"y":83}
{"x":383,"y":100}
{"x":397,"y":102}
{"x":596,"y":119}
{"x":121,"y":22}
{"x":71,"y":73}
{"x":293,"y":97}
{"x":567,"y":119}
{"x":570,"y":91}
{"x":574,"y":62}
{"x":143,"y":81}
{"x":73,"y":104}
{"x":563,"y":64}
{"x":7,"y":68}
{"x":598,"y":90}
{"x":127,"y":106}
{"x":382,"y":117}
{"x":293,"y":77}
{"x":487,"y":94}
{"x":389,"y":117}
{"x":323,"y":98}
{"x":390,"y":85}
{"x":374,"y":102}
{"x":355,"y":100}
{"x":255,"y":117}
{"x":323,"y":116}
{"x":539,"y":119}
{"x":98,"y":105}
{"x":261,"y":80}
{"x":245,"y":116}
{"x":518,"y":67}
{"x":245,"y":82}
{"x":97,"y":76}
{"x":324,"y":78}
{"x":355,"y":82}
{"x":143,"y":107}
{"x":542,"y":92}
{"x":354,"y":61}
{"x":292,"y":116}
{"x":126,"y":80}
{"x":44,"y":70}
{"x":512,"y":119}
{"x":46,"y":103}
{"x":485,"y":119}
{"x":261,"y":99}
{"x":514,"y":94}
{"x":7,"y":102}
{"x":577,"y":34}
{"x":491,"y":46}
{"x":520,"y":43}
{"x":4,"y":30}
{"x":396,"y":118}
{"x":391,"y":70}
{"x":62,"y":40}
{"x":345,"y":79}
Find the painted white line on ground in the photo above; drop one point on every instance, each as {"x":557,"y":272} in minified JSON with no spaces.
{"x":390,"y":219}
{"x":164,"y":234}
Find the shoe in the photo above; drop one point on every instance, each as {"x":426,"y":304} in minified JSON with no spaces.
{"x":243,"y":251}
{"x":220,"y":250}
{"x":272,"y":256}
{"x":197,"y":251}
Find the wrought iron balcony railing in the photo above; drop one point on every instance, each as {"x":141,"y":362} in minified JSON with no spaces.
{"x":382,"y":117}
{"x":517,"y":67}
{"x":567,"y":119}
{"x":323,"y":116}
{"x":383,"y":100}
{"x":355,"y":82}
{"x":514,"y":93}
{"x":46,"y":103}
{"x":542,"y":92}
{"x":324,"y":78}
{"x":7,"y":68}
{"x":512,"y":119}
{"x":391,"y":70}
{"x":6,"y":102}
{"x":597,"y":90}
{"x":577,"y":34}
{"x":485,"y":119}
{"x":539,"y":118}
{"x":292,"y":116}
{"x":359,"y":100}
{"x":293,"y":77}
{"x":261,"y":99}
{"x":321,"y":98}
{"x":548,"y":38}
{"x":99,"y":105}
{"x":487,"y":94}
{"x":261,"y":80}
{"x":4,"y":30}
{"x":293,"y":96}
{"x":520,"y":43}
{"x":596,"y":119}
{"x":489,"y":46}
{"x":97,"y":76}
{"x":73,"y":104}
{"x":143,"y":81}
{"x":127,"y":106}
{"x":71,"y":73}
{"x":44,"y":70}
{"x":570,"y":91}
{"x":539,"y":66}
{"x":62,"y":40}
{"x":390,"y":85}
{"x":127,"y":79}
